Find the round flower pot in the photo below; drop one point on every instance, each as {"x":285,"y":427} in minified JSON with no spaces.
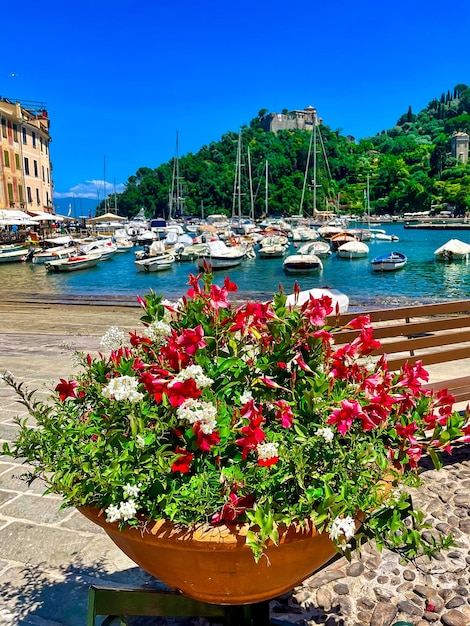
{"x":214,"y":564}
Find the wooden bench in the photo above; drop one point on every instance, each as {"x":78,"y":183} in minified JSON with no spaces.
{"x":436,"y":334}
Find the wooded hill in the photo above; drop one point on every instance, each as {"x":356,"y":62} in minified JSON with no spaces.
{"x":410,"y":168}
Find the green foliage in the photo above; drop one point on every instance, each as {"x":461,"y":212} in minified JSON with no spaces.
{"x":421,"y":140}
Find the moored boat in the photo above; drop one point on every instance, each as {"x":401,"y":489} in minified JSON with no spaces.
{"x":453,"y":250}
{"x":220,"y":256}
{"x":389,"y":262}
{"x":156,"y":263}
{"x":353,"y":250}
{"x":73,"y":263}
{"x":302,"y":264}
{"x":13,"y":255}
{"x":320,"y":248}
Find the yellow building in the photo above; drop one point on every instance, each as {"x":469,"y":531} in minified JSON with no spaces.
{"x":25,"y":164}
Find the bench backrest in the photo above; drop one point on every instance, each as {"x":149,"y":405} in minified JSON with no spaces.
{"x":431,"y":333}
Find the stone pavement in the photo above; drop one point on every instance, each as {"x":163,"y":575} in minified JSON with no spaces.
{"x":49,"y":557}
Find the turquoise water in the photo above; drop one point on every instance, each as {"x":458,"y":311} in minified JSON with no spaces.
{"x":423,"y":279}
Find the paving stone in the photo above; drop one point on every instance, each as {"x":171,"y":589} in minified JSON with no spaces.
{"x":41,"y":510}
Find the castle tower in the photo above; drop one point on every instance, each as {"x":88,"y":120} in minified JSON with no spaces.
{"x":459,"y":147}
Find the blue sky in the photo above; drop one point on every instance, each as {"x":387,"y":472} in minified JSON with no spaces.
{"x":120,"y":77}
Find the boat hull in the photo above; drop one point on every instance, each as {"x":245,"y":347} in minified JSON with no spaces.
{"x":218,"y":262}
{"x":302,"y":264}
{"x":73,"y":264}
{"x":389,"y":263}
{"x":12,"y":256}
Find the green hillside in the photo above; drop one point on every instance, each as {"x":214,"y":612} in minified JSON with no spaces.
{"x":410,"y":168}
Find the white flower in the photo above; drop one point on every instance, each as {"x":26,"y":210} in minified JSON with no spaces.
{"x":124,"y":512}
{"x":131,"y":490}
{"x":140,"y":441}
{"x":113,"y":339}
{"x":112,"y":514}
{"x":246,"y":396}
{"x":196,"y":373}
{"x":123,"y":388}
{"x":327,"y":434}
{"x":267,"y":451}
{"x":127,"y":510}
{"x":7,"y":376}
{"x":157,"y":331}
{"x":203,"y":413}
{"x":342,"y":528}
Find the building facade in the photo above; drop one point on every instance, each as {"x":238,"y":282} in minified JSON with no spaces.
{"x":459,"y":147}
{"x":25,"y":164}
{"x":302,"y":119}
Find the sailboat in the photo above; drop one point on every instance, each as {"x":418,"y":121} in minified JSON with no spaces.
{"x":240,"y":223}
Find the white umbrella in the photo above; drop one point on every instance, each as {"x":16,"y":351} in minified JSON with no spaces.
{"x":107,"y":217}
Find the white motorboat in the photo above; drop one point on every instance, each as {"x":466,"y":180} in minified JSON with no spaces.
{"x":302,"y":264}
{"x":353,"y":250}
{"x":11,"y":247}
{"x":220,"y":256}
{"x":453,"y":250}
{"x":320,"y":248}
{"x":385,"y":237}
{"x":73,"y":263}
{"x":304,"y":233}
{"x":191,"y":252}
{"x":389,"y":262}
{"x":123,"y":244}
{"x":273,"y":247}
{"x":13,"y":255}
{"x":157,"y":263}
{"x":105,"y":247}
{"x":51,"y":254}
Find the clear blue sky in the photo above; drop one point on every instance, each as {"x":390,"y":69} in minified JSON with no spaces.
{"x":120,"y":77}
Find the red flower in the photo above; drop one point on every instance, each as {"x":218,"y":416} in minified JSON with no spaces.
{"x":268,"y":462}
{"x":66,"y":389}
{"x":229,"y":286}
{"x":206,"y":441}
{"x":179,"y":392}
{"x":235,"y":507}
{"x":183,"y":462}
{"x":155,"y":386}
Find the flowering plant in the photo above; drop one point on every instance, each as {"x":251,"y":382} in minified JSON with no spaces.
{"x":251,"y":414}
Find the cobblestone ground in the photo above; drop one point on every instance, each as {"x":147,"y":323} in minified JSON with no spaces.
{"x":49,"y":557}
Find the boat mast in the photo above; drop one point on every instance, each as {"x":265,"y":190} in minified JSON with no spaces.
{"x":307,"y":165}
{"x":252,"y":204}
{"x":174,"y":180}
{"x":314,"y":162}
{"x":266,"y":194}
{"x":237,"y":188}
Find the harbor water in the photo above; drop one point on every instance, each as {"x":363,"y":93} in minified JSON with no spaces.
{"x":423,"y":279}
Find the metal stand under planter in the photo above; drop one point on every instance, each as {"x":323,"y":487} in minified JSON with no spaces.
{"x":117,"y":603}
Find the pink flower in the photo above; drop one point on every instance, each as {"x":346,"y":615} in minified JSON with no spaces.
{"x":344,"y":416}
{"x":218,"y":297}
{"x":284,"y":413}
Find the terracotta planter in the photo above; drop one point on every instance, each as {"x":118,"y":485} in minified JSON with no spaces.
{"x":213,"y":563}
